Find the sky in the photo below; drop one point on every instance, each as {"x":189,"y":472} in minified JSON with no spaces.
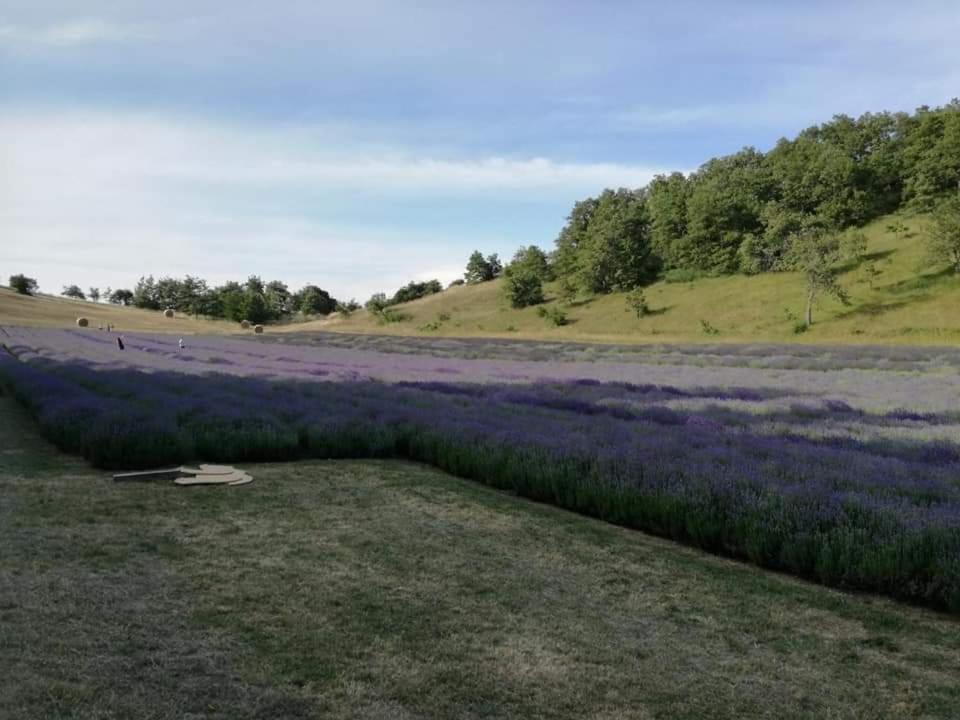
{"x":361,"y":145}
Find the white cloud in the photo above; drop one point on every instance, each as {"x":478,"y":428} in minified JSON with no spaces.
{"x":110,"y":148}
{"x":98,"y":198}
{"x":73,"y":33}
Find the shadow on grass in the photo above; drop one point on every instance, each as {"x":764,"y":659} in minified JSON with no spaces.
{"x":858,"y":262}
{"x":926,"y":281}
{"x":874,"y":309}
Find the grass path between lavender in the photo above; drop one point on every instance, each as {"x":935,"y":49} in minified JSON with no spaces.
{"x":386,"y":589}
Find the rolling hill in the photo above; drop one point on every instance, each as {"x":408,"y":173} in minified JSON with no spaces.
{"x":51,"y":311}
{"x":896,"y":296}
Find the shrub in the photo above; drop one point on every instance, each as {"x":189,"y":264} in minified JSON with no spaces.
{"x":637,"y":302}
{"x":387,"y":316}
{"x":553,"y":315}
{"x":415,"y":291}
{"x":708,"y":329}
{"x":523,"y":288}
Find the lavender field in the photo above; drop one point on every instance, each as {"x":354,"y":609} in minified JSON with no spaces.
{"x":835,"y":465}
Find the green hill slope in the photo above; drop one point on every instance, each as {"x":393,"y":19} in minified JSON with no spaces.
{"x":896,"y":296}
{"x":51,"y":311}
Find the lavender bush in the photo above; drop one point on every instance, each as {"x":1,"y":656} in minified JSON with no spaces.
{"x":820,"y":474}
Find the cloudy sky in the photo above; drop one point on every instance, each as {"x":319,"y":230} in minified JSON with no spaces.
{"x":360,"y":145}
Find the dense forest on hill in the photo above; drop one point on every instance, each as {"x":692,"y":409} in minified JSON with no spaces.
{"x":752,"y":211}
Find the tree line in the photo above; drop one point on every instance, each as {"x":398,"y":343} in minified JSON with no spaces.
{"x":253,"y":300}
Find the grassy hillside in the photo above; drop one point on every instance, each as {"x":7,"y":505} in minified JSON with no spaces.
{"x":904,"y":300}
{"x":50,"y":311}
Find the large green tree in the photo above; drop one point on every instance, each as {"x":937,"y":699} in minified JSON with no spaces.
{"x":120,"y":296}
{"x":23,"y":285}
{"x":532,"y":260}
{"x":312,"y":300}
{"x":572,"y":234}
{"x":932,"y":155}
{"x":145,"y":293}
{"x":255,"y":308}
{"x":615,"y":253}
{"x":279,"y":298}
{"x":727,"y":197}
{"x":667,"y":206}
{"x":482,"y":269}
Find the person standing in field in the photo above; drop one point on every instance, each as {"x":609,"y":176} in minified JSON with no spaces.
{"x":180,"y":343}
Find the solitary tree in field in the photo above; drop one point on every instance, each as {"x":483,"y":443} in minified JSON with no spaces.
{"x":121,"y":297}
{"x":637,"y":302}
{"x":815,"y":252}
{"x":94,"y":294}
{"x":944,"y":242}
{"x":73,"y":291}
{"x":23,"y":284}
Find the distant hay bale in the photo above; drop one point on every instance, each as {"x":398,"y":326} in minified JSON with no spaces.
{"x":82,"y":322}
{"x":245,"y":324}
{"x":168,"y":313}
{"x":258,"y":329}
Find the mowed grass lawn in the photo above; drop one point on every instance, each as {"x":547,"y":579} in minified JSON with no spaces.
{"x":390,"y":590}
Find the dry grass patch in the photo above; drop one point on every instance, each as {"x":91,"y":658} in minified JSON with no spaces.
{"x":56,"y":312}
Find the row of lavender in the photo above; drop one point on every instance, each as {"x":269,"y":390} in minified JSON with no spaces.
{"x":872,"y":511}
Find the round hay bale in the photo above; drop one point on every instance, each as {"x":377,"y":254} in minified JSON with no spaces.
{"x":168,"y":313}
{"x":245,"y":324}
{"x":82,"y":322}
{"x":258,"y":329}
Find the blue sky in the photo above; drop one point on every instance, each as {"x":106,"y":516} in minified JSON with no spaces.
{"x":361,"y":145}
